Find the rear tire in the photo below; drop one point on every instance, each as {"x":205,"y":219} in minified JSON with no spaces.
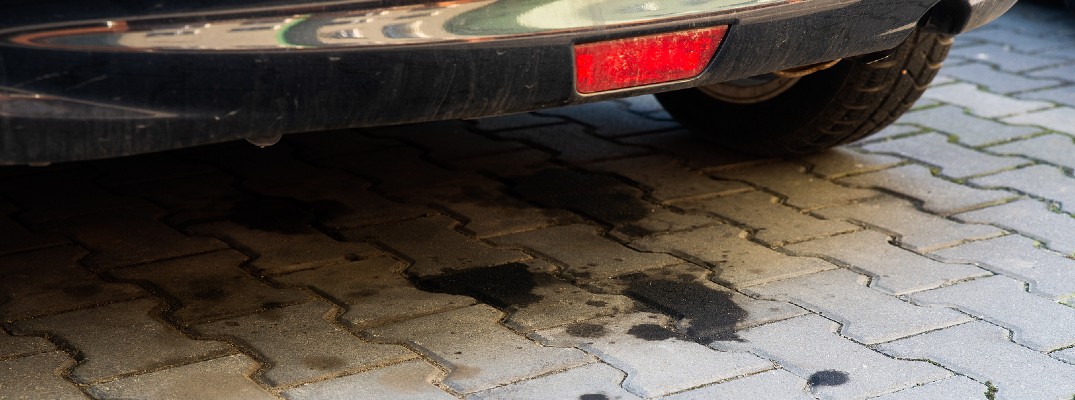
{"x":838,"y":105}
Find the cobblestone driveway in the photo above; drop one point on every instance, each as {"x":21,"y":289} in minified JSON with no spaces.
{"x":588,"y":252}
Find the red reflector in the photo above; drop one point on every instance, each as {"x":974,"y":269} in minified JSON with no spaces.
{"x":644,"y":60}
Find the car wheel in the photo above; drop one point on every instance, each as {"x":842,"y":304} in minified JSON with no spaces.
{"x":780,"y":114}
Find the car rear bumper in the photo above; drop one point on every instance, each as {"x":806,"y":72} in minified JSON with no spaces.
{"x":119,"y":81}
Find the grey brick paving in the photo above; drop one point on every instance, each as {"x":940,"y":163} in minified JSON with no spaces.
{"x":955,"y":161}
{"x":916,"y":229}
{"x":893,"y":269}
{"x":803,"y":191}
{"x":1004,"y":58}
{"x":37,"y":377}
{"x":1048,"y":273}
{"x":996,"y":81}
{"x":283,"y":248}
{"x":1054,"y":149}
{"x":1064,"y":72}
{"x":594,"y":380}
{"x":840,"y":162}
{"x":218,"y":378}
{"x":1030,"y":218}
{"x":774,"y":223}
{"x":408,"y":380}
{"x":1057,"y":119}
{"x":1060,"y":95}
{"x":936,"y":194}
{"x":967,"y":129}
{"x":982,"y":352}
{"x":1046,"y":182}
{"x":654,"y":172}
{"x":14,"y":237}
{"x":15,"y":346}
{"x":956,"y":387}
{"x":983,"y":103}
{"x":867,"y":315}
{"x":572,"y":143}
{"x":774,"y":384}
{"x":608,"y":119}
{"x":808,"y":347}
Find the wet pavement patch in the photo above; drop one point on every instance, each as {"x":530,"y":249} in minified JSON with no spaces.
{"x":507,"y":286}
{"x":593,"y":396}
{"x":600,"y":197}
{"x":829,"y":377}
{"x":283,"y":214}
{"x":712,"y":313}
{"x":586,"y":330}
{"x":652,"y":332}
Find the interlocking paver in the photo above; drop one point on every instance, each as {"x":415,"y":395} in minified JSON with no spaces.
{"x":735,"y":261}
{"x":499,"y":358}
{"x":210,"y":286}
{"x":37,"y":377}
{"x":694,"y":150}
{"x":301,"y":345}
{"x":937,"y":195}
{"x":772,"y":222}
{"x":834,"y":367}
{"x":1027,"y":42}
{"x":983,"y":352}
{"x":591,"y":381}
{"x":130,"y":236}
{"x":609,"y":119}
{"x":954,"y":160}
{"x":122,"y":338}
{"x":802,"y":190}
{"x":218,"y":378}
{"x":997,"y":81}
{"x":893,"y":269}
{"x":1048,"y":273}
{"x":333,"y":201}
{"x":982,"y":103}
{"x":15,"y":346}
{"x":50,"y":281}
{"x":1060,"y":119}
{"x":418,"y":174}
{"x":47,"y":196}
{"x":1063,"y":72}
{"x":374,"y":291}
{"x":1054,"y":149}
{"x":450,"y":140}
{"x":840,"y":162}
{"x":1064,"y":95}
{"x":773,"y":384}
{"x":867,"y":315}
{"x":916,"y":229}
{"x":434,"y":246}
{"x":667,"y":178}
{"x":14,"y":237}
{"x":639,"y":345}
{"x":572,"y":143}
{"x":968,"y":129}
{"x":411,"y":380}
{"x":1030,"y":218}
{"x":1003,"y":301}
{"x":1003,"y":57}
{"x":602,"y":258}
{"x":1047,"y":182}
{"x":956,"y":387}
{"x":1067,"y":355}
{"x":278,"y":247}
{"x":516,"y":121}
{"x":193,"y":198}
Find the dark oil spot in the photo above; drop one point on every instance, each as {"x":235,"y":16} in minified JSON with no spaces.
{"x":593,"y":396}
{"x":712,"y":313}
{"x":829,"y":377}
{"x":362,"y":293}
{"x":584,"y":330}
{"x":596,"y":303}
{"x":597,"y":196}
{"x":508,"y":286}
{"x":323,"y":363}
{"x":210,"y":293}
{"x":86,"y":290}
{"x":652,"y":332}
{"x":283,"y":214}
{"x":269,"y":305}
{"x":232,"y":324}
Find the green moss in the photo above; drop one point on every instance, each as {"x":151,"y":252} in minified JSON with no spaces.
{"x":990,"y":391}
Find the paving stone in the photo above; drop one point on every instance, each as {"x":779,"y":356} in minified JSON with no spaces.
{"x":643,"y":104}
{"x":803,"y":190}
{"x":956,"y":387}
{"x":1063,"y":95}
{"x":983,"y":352}
{"x":1061,"y":119}
{"x":51,"y":281}
{"x":218,"y":378}
{"x":409,"y":380}
{"x":639,"y":345}
{"x":1030,"y":218}
{"x":893,"y":269}
{"x":194,"y":198}
{"x":899,"y":129}
{"x":572,"y":143}
{"x":255,"y":167}
{"x":1062,"y":72}
{"x":1054,"y":149}
{"x":997,"y":81}
{"x":15,"y":346}
{"x":735,"y":261}
{"x":868,"y":316}
{"x":337,"y":202}
{"x":917,"y":230}
{"x":602,"y":258}
{"x":1003,"y":301}
{"x":507,"y":165}
{"x":772,"y":384}
{"x":449,"y":140}
{"x":434,"y":247}
{"x":596,"y":381}
{"x":409,"y":171}
{"x":982,"y":103}
{"x":516,"y":121}
{"x":501,"y":357}
{"x":210,"y":286}
{"x":37,"y":377}
{"x":954,"y":160}
{"x":487,"y":211}
{"x":328,"y":144}
{"x":1047,"y":182}
{"x":610,"y":119}
{"x":130,"y":236}
{"x":692,"y":148}
{"x":667,"y":179}
{"x":834,"y":367}
{"x":302,"y":345}
{"x":14,"y":237}
{"x":283,"y":248}
{"x":1048,"y":273}
{"x":937,"y":195}
{"x":374,"y":290}
{"x":146,"y":168}
{"x":967,"y":129}
{"x":841,"y":161}
{"x":121,"y":339}
{"x":62,"y":194}
{"x":1067,"y":355}
{"x":771,"y":222}
{"x":1003,"y":57}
